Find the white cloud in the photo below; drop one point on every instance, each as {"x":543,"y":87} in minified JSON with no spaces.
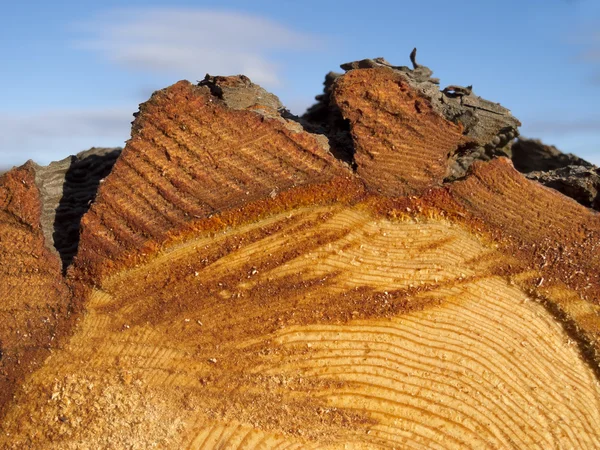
{"x":52,"y":135}
{"x":586,"y":41}
{"x":189,"y":43}
{"x":591,"y":54}
{"x":178,"y":42}
{"x":562,"y":127}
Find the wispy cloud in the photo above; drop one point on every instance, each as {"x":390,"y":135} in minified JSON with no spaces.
{"x":591,"y":44}
{"x":51,"y":135}
{"x":592,"y":55}
{"x":587,"y":42}
{"x":191,"y":42}
{"x":183,"y":43}
{"x":562,"y":127}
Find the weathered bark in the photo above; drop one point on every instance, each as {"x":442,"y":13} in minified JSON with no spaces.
{"x":565,"y":172}
{"x":67,"y":189}
{"x":578,"y":182}
{"x":244,"y":279}
{"x":531,"y":155}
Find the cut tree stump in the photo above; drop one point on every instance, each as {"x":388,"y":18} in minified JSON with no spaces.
{"x":238,"y":286}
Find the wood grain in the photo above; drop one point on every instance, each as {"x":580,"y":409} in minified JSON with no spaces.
{"x":237,"y":287}
{"x":401,"y":144}
{"x":322,"y":324}
{"x":191,"y":156}
{"x":34,"y":297}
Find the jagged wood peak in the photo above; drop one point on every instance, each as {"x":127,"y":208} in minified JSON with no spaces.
{"x":240,"y":287}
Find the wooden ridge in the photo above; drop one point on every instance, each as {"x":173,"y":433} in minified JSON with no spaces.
{"x":189,"y":157}
{"x":236,"y":286}
{"x":34,"y":295}
{"x":401,"y":143}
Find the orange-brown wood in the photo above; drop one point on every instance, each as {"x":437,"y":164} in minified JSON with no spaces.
{"x":237,"y":286}
{"x":34,"y":297}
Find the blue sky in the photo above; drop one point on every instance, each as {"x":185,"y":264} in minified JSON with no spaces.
{"x":74,"y":72}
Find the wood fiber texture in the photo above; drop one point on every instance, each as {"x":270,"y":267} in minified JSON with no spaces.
{"x":189,"y":157}
{"x":33,"y":294}
{"x":238,"y":287}
{"x":401,"y":143}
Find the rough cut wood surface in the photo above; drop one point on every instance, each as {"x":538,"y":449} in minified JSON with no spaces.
{"x":236,"y":286}
{"x":402,"y":144}
{"x":33,"y":294}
